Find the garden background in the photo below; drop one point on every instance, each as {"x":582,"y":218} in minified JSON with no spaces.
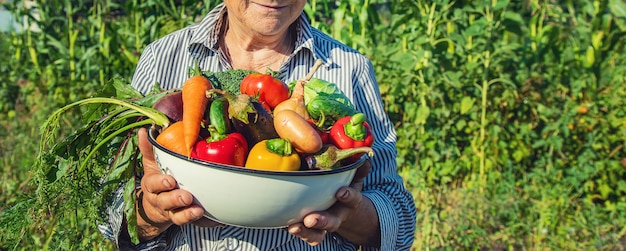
{"x":511,"y":115}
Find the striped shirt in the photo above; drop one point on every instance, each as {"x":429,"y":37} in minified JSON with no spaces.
{"x":166,"y":62}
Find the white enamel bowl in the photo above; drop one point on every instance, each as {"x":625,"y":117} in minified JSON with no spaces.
{"x":253,"y":198}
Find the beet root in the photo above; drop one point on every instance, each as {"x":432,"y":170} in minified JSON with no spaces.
{"x":171,"y":105}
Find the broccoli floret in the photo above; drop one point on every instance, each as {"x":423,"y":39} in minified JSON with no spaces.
{"x":228,"y":81}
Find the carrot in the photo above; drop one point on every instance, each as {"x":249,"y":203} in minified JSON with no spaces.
{"x":170,"y":138}
{"x":195,"y":101}
{"x":293,"y":127}
{"x":296,"y":100}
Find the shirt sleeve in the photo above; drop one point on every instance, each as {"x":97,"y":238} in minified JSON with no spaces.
{"x":144,"y":77}
{"x":110,"y":228}
{"x":384,"y":186}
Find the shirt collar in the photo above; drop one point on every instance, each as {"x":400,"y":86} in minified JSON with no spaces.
{"x":207,"y":32}
{"x":306,"y":40}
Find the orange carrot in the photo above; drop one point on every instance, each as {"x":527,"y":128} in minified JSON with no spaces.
{"x":195,"y":101}
{"x":170,"y":138}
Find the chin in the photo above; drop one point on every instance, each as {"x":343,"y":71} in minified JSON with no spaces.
{"x":269,"y":27}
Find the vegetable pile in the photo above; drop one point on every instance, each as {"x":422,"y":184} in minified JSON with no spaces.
{"x":265,"y":124}
{"x":237,"y":117}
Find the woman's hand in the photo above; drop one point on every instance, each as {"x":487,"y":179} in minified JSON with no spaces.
{"x":353,"y":216}
{"x":160,"y":203}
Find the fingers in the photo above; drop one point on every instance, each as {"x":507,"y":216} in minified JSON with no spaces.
{"x":153,"y":180}
{"x":168,"y":201}
{"x":175,"y":206}
{"x":348,"y":200}
{"x":349,"y":197}
{"x":311,"y":236}
{"x":161,"y":201}
{"x":186,"y":215}
{"x":168,"y":207}
{"x":315,"y":225}
{"x":157,"y":183}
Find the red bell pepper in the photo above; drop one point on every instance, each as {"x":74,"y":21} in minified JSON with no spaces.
{"x":351,"y":132}
{"x":220,"y":146}
{"x":230,"y":149}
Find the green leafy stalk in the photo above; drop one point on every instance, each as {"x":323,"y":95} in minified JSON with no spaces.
{"x":158,"y":117}
{"x":130,"y":198}
{"x":116,"y":120}
{"x":108,"y":138}
{"x":104,"y":144}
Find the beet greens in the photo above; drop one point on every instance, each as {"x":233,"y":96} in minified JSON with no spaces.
{"x":86,"y":167}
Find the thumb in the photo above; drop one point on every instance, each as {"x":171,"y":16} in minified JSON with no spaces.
{"x":145,"y":147}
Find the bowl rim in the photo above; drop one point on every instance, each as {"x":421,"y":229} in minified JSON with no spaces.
{"x":152,"y":139}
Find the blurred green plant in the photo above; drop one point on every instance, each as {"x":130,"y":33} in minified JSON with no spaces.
{"x":514,"y":102}
{"x":70,"y":53}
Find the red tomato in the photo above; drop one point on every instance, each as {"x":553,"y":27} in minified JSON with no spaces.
{"x":269,"y":90}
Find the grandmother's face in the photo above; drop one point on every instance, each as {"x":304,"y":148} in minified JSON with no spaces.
{"x":265,"y":17}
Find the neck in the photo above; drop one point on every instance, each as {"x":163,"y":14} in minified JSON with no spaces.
{"x":251,"y":51}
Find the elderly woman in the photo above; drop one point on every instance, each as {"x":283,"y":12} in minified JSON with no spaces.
{"x":374,"y":212}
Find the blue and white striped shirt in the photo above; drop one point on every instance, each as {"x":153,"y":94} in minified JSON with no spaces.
{"x":166,"y":61}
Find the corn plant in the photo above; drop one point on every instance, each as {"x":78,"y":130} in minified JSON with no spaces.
{"x":494,"y":101}
{"x":75,"y":48}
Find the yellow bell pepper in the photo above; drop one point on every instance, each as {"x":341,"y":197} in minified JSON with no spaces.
{"x":273,"y":155}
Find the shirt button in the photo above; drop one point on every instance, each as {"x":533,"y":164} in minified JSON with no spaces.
{"x":230,"y":243}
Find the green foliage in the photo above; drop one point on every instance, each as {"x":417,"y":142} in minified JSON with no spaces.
{"x":502,"y":100}
{"x":70,"y":54}
{"x":510,"y":115}
{"x":78,"y":173}
{"x":228,"y":81}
